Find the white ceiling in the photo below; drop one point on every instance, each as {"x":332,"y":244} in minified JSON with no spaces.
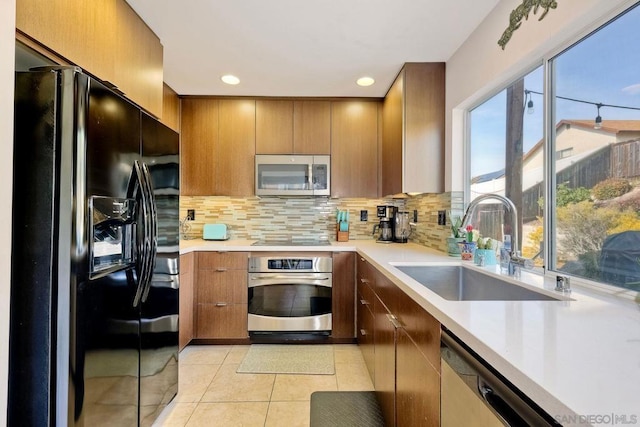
{"x":303,"y":47}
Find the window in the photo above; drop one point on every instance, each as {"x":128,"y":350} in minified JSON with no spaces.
{"x":564,"y":153}
{"x":596,"y":203}
{"x":587,"y":194}
{"x":506,"y":158}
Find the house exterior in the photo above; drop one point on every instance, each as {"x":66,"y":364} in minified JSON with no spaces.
{"x":577,"y":141}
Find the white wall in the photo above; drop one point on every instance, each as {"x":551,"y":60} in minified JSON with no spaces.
{"x":7,"y":52}
{"x":480,"y":67}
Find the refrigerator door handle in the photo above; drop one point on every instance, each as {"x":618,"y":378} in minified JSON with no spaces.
{"x":153,"y":228}
{"x":144,"y":252}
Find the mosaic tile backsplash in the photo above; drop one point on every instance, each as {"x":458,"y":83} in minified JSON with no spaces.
{"x":285,"y":218}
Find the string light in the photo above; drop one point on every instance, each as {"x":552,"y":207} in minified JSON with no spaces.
{"x":598,"y":121}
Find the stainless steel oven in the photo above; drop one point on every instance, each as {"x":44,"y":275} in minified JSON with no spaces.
{"x":290,"y":294}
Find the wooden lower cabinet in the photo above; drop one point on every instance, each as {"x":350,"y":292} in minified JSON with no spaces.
{"x":343,"y":296}
{"x":417,"y":385}
{"x":384,"y":343}
{"x":222,"y":321}
{"x":186,"y":299}
{"x":403,"y":358}
{"x":366,"y":325}
{"x":221,"y":295}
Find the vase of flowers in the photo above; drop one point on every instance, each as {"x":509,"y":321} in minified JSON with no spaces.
{"x":456,"y":237}
{"x":468,"y":245}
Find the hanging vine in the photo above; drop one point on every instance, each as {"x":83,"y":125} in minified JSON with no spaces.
{"x":522,"y":11}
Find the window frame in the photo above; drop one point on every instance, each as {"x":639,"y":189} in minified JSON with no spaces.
{"x":549,"y":269}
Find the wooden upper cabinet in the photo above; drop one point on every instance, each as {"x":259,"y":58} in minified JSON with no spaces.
{"x":82,"y":32}
{"x":138,"y":55}
{"x":237,"y":148}
{"x":311,"y":127}
{"x":413,"y":131}
{"x":391,"y":164}
{"x":198,"y":146}
{"x":274,"y":127}
{"x":293,"y":127}
{"x":106,"y":38}
{"x":217,"y":147}
{"x":170,"y":108}
{"x":354,"y":148}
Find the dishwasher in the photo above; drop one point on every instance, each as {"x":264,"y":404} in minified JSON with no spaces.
{"x":475,"y":394}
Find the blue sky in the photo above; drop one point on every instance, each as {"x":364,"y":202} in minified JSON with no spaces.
{"x":602,"y":68}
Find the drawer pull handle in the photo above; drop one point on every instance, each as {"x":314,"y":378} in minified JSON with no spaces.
{"x":221,"y":269}
{"x":394,"y":321}
{"x":364,"y":280}
{"x":363,"y":332}
{"x":221,"y":304}
{"x":364,"y":302}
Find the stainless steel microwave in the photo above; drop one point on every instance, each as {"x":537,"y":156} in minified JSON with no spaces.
{"x":292,"y":175}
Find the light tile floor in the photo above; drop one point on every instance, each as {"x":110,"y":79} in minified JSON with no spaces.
{"x":211,"y":393}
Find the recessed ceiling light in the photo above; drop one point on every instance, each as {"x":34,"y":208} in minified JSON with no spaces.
{"x":230,"y":79}
{"x":365,"y":81}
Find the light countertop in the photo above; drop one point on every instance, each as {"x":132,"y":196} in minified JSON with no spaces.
{"x":578,"y":359}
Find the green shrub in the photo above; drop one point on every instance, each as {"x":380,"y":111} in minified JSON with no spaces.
{"x":610,"y":188}
{"x":566,"y":196}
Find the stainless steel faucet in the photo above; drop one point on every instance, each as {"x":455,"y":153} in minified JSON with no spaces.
{"x":515,"y":259}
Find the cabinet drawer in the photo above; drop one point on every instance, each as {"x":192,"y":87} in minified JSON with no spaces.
{"x":388,"y":292}
{"x":222,"y":286}
{"x":364,"y":272}
{"x":223,"y":260}
{"x":228,"y":321}
{"x":365,"y":330}
{"x":365,"y":297}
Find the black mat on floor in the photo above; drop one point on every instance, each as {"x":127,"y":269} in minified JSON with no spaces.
{"x":345,"y":409}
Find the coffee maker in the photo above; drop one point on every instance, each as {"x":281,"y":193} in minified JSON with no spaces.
{"x":385,"y":227}
{"x":401,"y":226}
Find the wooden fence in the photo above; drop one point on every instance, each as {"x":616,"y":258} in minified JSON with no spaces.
{"x":620,"y":160}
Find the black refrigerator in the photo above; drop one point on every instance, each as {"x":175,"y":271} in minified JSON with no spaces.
{"x":94,"y":271}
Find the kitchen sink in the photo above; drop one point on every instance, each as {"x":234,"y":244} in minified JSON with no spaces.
{"x":456,"y":283}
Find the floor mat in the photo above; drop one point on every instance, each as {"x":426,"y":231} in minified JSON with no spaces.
{"x":288,"y":359}
{"x":345,"y":409}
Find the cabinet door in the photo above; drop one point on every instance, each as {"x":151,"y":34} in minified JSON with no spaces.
{"x":236,"y":149}
{"x":198,"y":146}
{"x":187,"y":306}
{"x":413,"y":131}
{"x":138,"y":55}
{"x":354,"y":149}
{"x":385,"y":362}
{"x":312,"y":127}
{"x":222,"y":321}
{"x":274,"y":127}
{"x":343,"y":295}
{"x":81,"y":31}
{"x":424,"y":100}
{"x":170,"y":108}
{"x":417,"y":386}
{"x":391,"y":162}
